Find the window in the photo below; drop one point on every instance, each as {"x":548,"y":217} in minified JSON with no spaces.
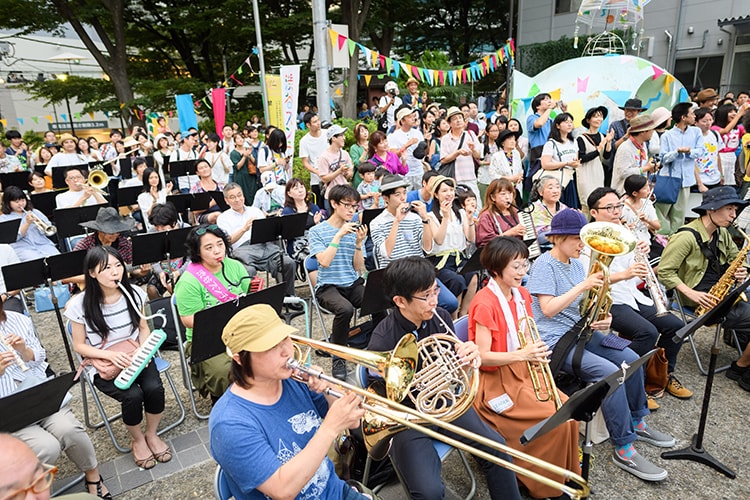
{"x":702,"y":72}
{"x":567,"y":6}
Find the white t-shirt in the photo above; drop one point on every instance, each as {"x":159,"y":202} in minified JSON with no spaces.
{"x":398,"y":138}
{"x":391,"y":111}
{"x":312,"y":147}
{"x":184,"y":181}
{"x":221,"y":165}
{"x":230,"y":221}
{"x":70,"y":198}
{"x":7,"y":257}
{"x":64,"y":160}
{"x":146,"y":201}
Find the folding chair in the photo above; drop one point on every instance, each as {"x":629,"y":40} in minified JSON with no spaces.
{"x":461,"y":328}
{"x":688,"y":314}
{"x":162,"y":366}
{"x":187,"y":380}
{"x":221,"y":485}
{"x":443,"y":450}
{"x":70,"y":242}
{"x":311,"y":271}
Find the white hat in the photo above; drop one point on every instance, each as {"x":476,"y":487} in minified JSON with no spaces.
{"x":334,"y":130}
{"x":268,"y":180}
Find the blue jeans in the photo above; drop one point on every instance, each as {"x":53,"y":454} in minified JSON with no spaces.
{"x":446,"y":299}
{"x":626,"y":402}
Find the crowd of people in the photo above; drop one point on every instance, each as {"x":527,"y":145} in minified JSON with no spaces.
{"x":432,"y":191}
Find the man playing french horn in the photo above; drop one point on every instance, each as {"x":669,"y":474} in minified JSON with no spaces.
{"x":411,"y":284}
{"x":634,"y":315}
{"x":702,"y":263}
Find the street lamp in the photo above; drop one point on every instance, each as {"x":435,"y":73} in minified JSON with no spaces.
{"x":63,"y":77}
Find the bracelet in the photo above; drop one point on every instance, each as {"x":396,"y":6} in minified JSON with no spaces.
{"x":472,"y":225}
{"x":334,"y":245}
{"x":357,"y":248}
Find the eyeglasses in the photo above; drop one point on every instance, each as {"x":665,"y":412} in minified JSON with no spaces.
{"x":430,"y":295}
{"x":349,"y":206}
{"x":40,"y":484}
{"x":202,"y":230}
{"x":612,"y":208}
{"x":521,"y":266}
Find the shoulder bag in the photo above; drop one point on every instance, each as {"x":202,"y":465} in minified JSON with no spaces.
{"x":448,"y":169}
{"x":667,"y":187}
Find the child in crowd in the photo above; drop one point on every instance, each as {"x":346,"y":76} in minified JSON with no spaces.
{"x":369,"y":188}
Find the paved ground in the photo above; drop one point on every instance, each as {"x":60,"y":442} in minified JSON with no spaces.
{"x":190,"y":474}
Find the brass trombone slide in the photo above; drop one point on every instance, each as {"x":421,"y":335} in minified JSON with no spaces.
{"x":402,"y":415}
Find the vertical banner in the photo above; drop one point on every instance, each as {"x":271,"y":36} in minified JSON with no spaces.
{"x":273,"y":89}
{"x":186,"y":112}
{"x":219,"y":101}
{"x":289,"y":98}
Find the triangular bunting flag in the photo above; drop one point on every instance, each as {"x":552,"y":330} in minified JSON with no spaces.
{"x":668,"y":79}
{"x":91,"y":115}
{"x":388,"y":65}
{"x":341,"y":41}
{"x":352,"y":46}
{"x":657,"y":71}
{"x":239,"y":70}
{"x":64,"y":116}
{"x":334,"y":37}
{"x":4,"y":122}
{"x":381,"y":61}
{"x":415,"y":72}
{"x":35,"y":119}
{"x":77,"y":116}
{"x":396,"y":68}
{"x":49,"y":117}
{"x":20,"y":120}
{"x":374,"y":56}
{"x":367,"y":79}
{"x":441,"y":77}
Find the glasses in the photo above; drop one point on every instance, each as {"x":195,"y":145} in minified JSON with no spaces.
{"x":235,"y":197}
{"x":349,"y":206}
{"x":40,"y":484}
{"x":521,"y":266}
{"x":430,"y":295}
{"x":202,"y":230}
{"x":612,"y":208}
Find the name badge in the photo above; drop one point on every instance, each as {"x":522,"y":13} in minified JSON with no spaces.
{"x":500,"y":403}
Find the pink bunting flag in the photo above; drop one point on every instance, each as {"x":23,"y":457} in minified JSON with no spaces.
{"x":415,"y":72}
{"x":657,"y":71}
{"x":342,"y":41}
{"x":583,"y":83}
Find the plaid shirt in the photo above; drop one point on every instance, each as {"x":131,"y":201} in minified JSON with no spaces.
{"x":121,"y":244}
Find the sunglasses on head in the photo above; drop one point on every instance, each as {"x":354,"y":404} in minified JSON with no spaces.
{"x":202,"y":230}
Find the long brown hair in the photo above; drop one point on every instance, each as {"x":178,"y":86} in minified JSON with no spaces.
{"x":501,"y":184}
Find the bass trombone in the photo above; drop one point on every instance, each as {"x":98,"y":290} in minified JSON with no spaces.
{"x":393,"y":414}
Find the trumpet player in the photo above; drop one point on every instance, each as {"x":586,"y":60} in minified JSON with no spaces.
{"x":270,"y":434}
{"x":685,"y":266}
{"x":556,"y":282}
{"x":79,"y":193}
{"x":411,"y":283}
{"x":32,"y":241}
{"x":634,"y":315}
{"x":507,"y":399}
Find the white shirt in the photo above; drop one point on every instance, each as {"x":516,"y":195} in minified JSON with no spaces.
{"x":398,"y":139}
{"x":391,"y":111}
{"x":184,"y":181}
{"x":626,"y":291}
{"x":455,"y":239}
{"x":7,"y":256}
{"x":146,"y":201}
{"x":70,"y":198}
{"x":311,"y":148}
{"x":221,"y":165}
{"x":64,"y":160}
{"x":231,"y":221}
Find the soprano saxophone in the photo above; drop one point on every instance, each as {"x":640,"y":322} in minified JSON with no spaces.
{"x":722,"y":287}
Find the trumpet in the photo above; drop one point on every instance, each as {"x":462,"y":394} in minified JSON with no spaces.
{"x":542,"y":378}
{"x":19,"y":360}
{"x":391,"y":413}
{"x":47,"y":229}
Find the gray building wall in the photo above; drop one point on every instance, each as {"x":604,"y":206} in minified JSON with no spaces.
{"x":537,"y":22}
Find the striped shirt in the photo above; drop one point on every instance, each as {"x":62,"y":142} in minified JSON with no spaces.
{"x":549,"y":276}
{"x":21,"y":325}
{"x":121,"y":327}
{"x":341,"y":272}
{"x":408,"y":241}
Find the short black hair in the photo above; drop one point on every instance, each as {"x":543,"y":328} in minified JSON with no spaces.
{"x":537,"y":100}
{"x":429,"y":175}
{"x":140,"y":160}
{"x":701,"y":112}
{"x":78,"y":169}
{"x":365,"y":167}
{"x":634,"y":183}
{"x":193,"y":240}
{"x":308,"y":116}
{"x":163,"y":214}
{"x":597,"y":194}
{"x":679,"y":110}
{"x":342,"y":192}
{"x":13,"y":134}
{"x":497,"y":254}
{"x":407,"y":276}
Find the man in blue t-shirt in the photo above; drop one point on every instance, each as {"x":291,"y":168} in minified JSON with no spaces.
{"x":337,"y":245}
{"x":538,"y":123}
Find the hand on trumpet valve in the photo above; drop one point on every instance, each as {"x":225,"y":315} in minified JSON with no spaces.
{"x":535,"y":352}
{"x":602,"y":324}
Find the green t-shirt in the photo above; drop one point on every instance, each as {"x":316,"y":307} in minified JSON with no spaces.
{"x":193,"y":297}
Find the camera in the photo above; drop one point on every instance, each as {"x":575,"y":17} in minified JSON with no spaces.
{"x":392,"y":92}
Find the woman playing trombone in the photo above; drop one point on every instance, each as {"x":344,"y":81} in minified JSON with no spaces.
{"x":270,"y":434}
{"x":507,"y":400}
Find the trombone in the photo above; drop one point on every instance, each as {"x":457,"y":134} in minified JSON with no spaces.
{"x":541,"y":375}
{"x":392,"y":414}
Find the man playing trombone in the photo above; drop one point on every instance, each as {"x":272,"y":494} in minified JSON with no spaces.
{"x":79,"y":193}
{"x":270,"y":434}
{"x":411,"y":283}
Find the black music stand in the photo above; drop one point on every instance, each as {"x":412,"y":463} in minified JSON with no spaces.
{"x":46,"y":270}
{"x":717,"y":315}
{"x":474,"y":263}
{"x":181,"y":168}
{"x":582,"y":406}
{"x":18,"y":179}
{"x":368,"y":216}
{"x":210,"y":322}
{"x":24,"y":408}
{"x":9,"y":232}
{"x":58,"y":174}
{"x":218,"y":197}
{"x":102,"y":165}
{"x":45,"y":202}
{"x":40,"y":167}
{"x":155,"y":247}
{"x":374,"y":299}
{"x":128,"y":195}
{"x":191,"y":202}
{"x":68,"y":220}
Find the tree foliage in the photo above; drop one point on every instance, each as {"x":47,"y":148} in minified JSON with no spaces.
{"x":535,"y":58}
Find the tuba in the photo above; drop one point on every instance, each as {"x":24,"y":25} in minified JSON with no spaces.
{"x":606,"y":241}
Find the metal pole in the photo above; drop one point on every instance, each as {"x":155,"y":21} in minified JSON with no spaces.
{"x":259,"y":43}
{"x":70,"y":115}
{"x":320,"y":40}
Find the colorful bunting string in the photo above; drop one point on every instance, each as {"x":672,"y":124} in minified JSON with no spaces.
{"x":467,"y":73}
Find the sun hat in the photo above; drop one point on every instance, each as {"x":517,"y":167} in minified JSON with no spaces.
{"x":633,"y":103}
{"x":109,"y":221}
{"x":567,"y":222}
{"x":706,"y":95}
{"x":718,"y":197}
{"x":256,"y":328}
{"x":452,"y":111}
{"x":661,"y":115}
{"x":405,"y":111}
{"x":391,"y":182}
{"x":268,"y":181}
{"x":642,"y":123}
{"x":334,"y":130}
{"x":601,"y":109}
{"x":67,"y":137}
{"x":505,"y":134}
{"x":437,"y":180}
{"x":411,"y":80}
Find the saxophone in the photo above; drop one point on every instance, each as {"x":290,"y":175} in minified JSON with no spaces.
{"x":726,"y":283}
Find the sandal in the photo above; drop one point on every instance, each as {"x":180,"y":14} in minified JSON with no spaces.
{"x":144,"y":463}
{"x":164,"y":456}
{"x":99,"y":485}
